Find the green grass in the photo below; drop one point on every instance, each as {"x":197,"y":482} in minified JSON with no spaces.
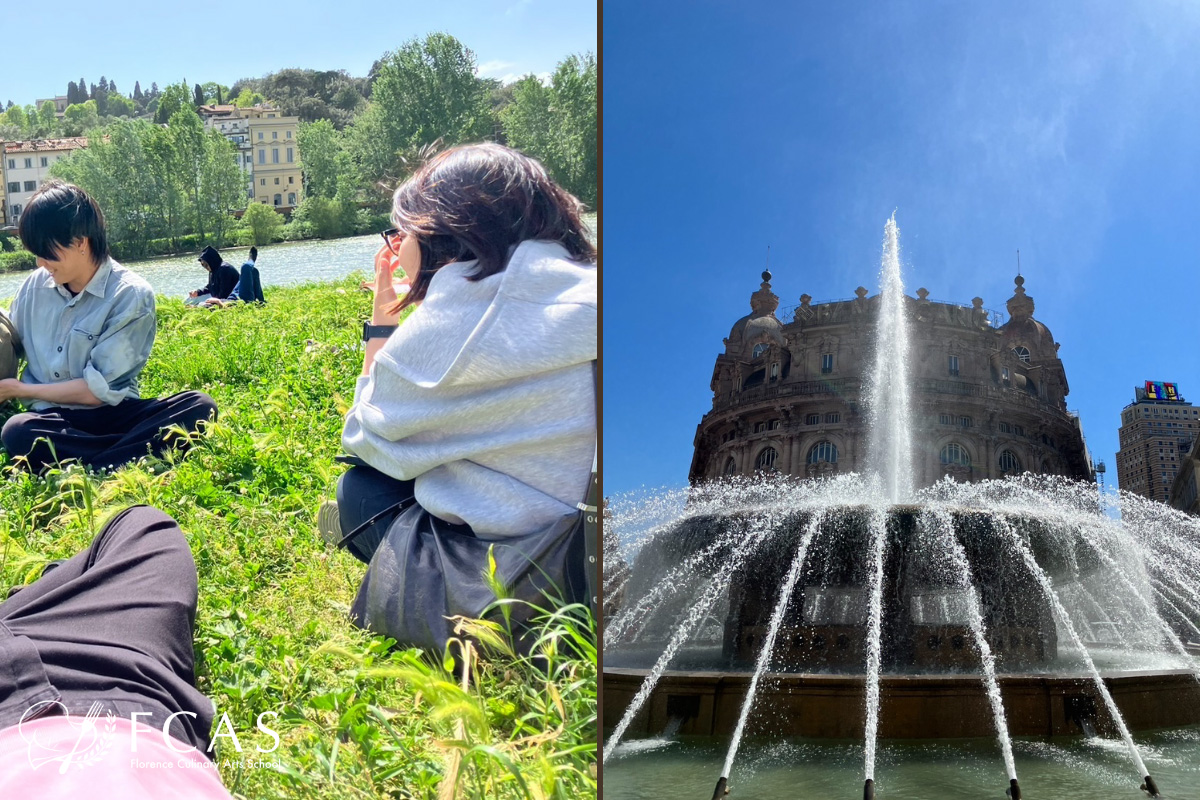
{"x":357,"y":717}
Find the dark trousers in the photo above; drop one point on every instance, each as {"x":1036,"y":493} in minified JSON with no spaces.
{"x":250,"y":285}
{"x":105,"y":437}
{"x":112,"y":625}
{"x":362,"y":493}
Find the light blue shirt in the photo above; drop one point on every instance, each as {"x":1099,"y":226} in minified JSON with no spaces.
{"x":103,"y":334}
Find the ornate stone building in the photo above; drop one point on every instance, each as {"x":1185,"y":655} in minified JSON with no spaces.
{"x":988,"y":400}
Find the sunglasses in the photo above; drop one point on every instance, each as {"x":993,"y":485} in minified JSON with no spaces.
{"x":389,"y":235}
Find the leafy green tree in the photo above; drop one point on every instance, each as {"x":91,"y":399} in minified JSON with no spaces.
{"x":311,"y":94}
{"x":222,"y":185}
{"x":327,"y":217}
{"x":263,"y":222}
{"x":197,"y":96}
{"x":248,"y":98}
{"x":214,"y":93}
{"x":47,"y":120}
{"x":120,"y":106}
{"x":16,"y":117}
{"x":174,"y":98}
{"x":114,"y":169}
{"x":425,"y":91}
{"x":322,"y":158}
{"x":557,"y":124}
{"x":78,"y":119}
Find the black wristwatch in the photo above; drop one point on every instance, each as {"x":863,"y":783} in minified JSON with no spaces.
{"x":377,"y":331}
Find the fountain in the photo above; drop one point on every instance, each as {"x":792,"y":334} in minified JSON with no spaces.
{"x":859,"y":606}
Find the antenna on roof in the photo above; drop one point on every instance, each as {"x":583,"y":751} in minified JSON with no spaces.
{"x":768,"y":257}
{"x":1018,"y":263}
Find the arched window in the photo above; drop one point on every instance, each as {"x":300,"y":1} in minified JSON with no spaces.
{"x":1021,"y":353}
{"x":291,"y":198}
{"x":759,"y":349}
{"x":278,"y":199}
{"x":730,"y":466}
{"x":1009,"y":463}
{"x":823,"y":451}
{"x":766,"y":459}
{"x":954,"y":454}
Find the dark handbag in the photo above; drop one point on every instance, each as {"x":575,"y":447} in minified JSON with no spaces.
{"x":427,"y":571}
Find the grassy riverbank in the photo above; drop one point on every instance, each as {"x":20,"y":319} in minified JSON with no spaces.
{"x":356,"y":719}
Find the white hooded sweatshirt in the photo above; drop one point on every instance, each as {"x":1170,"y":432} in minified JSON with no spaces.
{"x":485,"y":394}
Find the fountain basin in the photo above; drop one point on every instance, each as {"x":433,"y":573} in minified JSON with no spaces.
{"x":912,"y":706}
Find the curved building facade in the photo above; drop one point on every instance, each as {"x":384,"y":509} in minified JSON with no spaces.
{"x":987,"y":401}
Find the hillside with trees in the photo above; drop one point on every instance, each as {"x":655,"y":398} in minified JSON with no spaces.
{"x":166,"y":183}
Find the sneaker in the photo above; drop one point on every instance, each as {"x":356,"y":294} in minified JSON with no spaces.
{"x":329,"y":523}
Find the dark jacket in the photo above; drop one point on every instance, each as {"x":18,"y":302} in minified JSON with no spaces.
{"x":221,"y":281}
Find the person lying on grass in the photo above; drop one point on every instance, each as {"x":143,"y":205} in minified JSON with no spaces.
{"x":480,"y":407}
{"x":87,"y":325}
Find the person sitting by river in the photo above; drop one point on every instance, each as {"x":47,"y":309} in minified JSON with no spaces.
{"x":222,"y":277}
{"x":86,"y":325}
{"x":248,"y":288}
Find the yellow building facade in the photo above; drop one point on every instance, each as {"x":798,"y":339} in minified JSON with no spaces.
{"x":276,"y":156}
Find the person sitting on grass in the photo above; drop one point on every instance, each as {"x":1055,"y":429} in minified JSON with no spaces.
{"x":480,"y":407}
{"x":86,"y":324}
{"x":248,"y":289}
{"x":99,"y":672}
{"x":222,"y":277}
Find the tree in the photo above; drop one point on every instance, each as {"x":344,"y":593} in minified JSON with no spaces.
{"x":114,"y":169}
{"x":425,"y":91}
{"x":327,"y":217}
{"x":79,"y":118}
{"x":173,"y":99}
{"x":247,"y":98}
{"x":120,"y":106}
{"x":197,"y":96}
{"x":214,"y":93}
{"x":47,"y":121}
{"x":15,"y":115}
{"x":557,"y":124}
{"x":263,"y":222}
{"x":72,"y":93}
{"x":322,"y":158}
{"x":222,"y":185}
{"x":101,"y":98}
{"x":137,"y":94}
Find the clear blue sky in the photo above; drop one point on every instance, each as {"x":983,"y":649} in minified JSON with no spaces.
{"x":222,"y":41}
{"x":1069,"y":131}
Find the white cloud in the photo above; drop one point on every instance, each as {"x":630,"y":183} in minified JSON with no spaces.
{"x":489,"y":68}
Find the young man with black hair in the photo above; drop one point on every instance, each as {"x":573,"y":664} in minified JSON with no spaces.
{"x":222,"y":278}
{"x":87,"y":325}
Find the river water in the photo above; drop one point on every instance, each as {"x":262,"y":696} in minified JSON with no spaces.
{"x":278,"y":265}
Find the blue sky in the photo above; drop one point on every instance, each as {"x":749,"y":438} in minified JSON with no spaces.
{"x":222,"y":41}
{"x":1065,"y":130}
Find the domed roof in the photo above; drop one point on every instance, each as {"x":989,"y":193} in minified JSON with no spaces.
{"x":762,"y":315}
{"x":1021,"y":322}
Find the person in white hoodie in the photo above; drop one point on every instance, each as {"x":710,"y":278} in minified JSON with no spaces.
{"x":480,"y":406}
